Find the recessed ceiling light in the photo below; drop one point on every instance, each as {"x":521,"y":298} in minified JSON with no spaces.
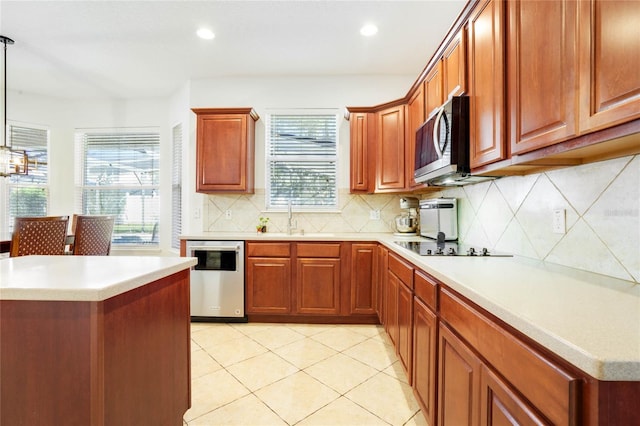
{"x":368,"y":30}
{"x":205,"y":33}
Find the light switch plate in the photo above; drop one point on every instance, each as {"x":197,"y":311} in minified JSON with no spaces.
{"x":374,"y":214}
{"x":559,"y":221}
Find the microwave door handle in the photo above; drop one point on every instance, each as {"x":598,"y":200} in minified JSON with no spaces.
{"x":436,"y":133}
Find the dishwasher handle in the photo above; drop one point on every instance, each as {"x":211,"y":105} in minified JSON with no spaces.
{"x":214,"y":248}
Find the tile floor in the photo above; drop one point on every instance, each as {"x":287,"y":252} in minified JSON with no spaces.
{"x":297,"y":374}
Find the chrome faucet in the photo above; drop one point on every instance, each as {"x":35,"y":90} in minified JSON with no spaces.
{"x":291,"y":223}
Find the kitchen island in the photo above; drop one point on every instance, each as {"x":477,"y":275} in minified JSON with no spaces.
{"x":99,"y":340}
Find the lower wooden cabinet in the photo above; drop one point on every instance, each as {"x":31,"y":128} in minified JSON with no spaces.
{"x":268,"y":286}
{"x":364,"y":268}
{"x":405,"y":328}
{"x":391,"y":307}
{"x":318,"y":286}
{"x":425,"y":331}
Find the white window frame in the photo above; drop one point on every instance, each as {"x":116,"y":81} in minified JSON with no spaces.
{"x":176,"y":185}
{"x":281,"y":205}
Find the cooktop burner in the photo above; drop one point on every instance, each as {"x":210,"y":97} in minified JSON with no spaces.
{"x":433,"y":248}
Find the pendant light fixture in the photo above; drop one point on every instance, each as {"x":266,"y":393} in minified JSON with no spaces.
{"x":12,"y":161}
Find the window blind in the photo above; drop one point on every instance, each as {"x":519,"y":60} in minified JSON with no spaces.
{"x":302,"y":160}
{"x":176,"y":187}
{"x":121,"y":177}
{"x":28,"y":195}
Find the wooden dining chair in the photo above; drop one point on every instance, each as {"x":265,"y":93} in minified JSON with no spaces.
{"x":39,"y":236}
{"x":92,"y":235}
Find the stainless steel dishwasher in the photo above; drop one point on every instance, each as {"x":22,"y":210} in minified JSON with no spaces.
{"x":217,"y":281}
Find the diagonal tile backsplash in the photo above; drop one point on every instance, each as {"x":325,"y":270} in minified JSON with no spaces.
{"x":511,"y":214}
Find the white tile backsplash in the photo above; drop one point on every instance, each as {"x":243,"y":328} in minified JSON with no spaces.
{"x":511,"y":214}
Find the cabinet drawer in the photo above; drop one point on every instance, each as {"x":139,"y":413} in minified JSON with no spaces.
{"x":268,"y":249}
{"x":549,"y":388}
{"x":401,"y":269}
{"x":426,"y":288}
{"x":318,"y":250}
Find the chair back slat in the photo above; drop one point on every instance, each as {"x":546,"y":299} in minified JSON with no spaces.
{"x":92,"y":235}
{"x":39,"y":236}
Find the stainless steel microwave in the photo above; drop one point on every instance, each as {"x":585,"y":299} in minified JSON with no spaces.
{"x":442,"y":146}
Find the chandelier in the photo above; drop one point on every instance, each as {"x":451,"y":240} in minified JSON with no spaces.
{"x":12,"y":161}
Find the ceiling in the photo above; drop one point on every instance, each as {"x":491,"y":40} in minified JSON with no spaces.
{"x":140,"y":49}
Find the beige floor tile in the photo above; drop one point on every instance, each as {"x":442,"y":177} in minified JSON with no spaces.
{"x":262,"y":370}
{"x":387,"y":398}
{"x":296,"y":396}
{"x":341,"y":373}
{"x":373,"y":353}
{"x":247,"y":410}
{"x":339,"y":338}
{"x":304,"y":353}
{"x":396,"y":370}
{"x":233,"y":351}
{"x":310,"y":329}
{"x":202,"y":363}
{"x":214,"y":334}
{"x":364,"y":329}
{"x":417,"y":420}
{"x":276,"y":337}
{"x":342,"y":412}
{"x":252,"y":327}
{"x":213,"y":391}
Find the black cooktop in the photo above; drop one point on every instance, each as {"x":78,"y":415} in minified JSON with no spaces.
{"x":433,"y":248}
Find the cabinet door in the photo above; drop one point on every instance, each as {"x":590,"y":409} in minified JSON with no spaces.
{"x":424,"y":358}
{"x":416,"y":117}
{"x":486,"y":84}
{"x":405,"y":328}
{"x":390,"y":170}
{"x":383,"y":265}
{"x":433,"y":89}
{"x":500,"y":406}
{"x":610,"y":63}
{"x":362,"y":151}
{"x":459,"y":382}
{"x":318,"y":286}
{"x":391,"y":307}
{"x":364,"y":268}
{"x":541,"y":73}
{"x":454,"y":66}
{"x":268,"y":285}
{"x":225,"y":152}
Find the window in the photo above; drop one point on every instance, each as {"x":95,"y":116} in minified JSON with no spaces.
{"x":302,"y":160}
{"x":27,"y":195}
{"x":176,"y":187}
{"x":120,"y":176}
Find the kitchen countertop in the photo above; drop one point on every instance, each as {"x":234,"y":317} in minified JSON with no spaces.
{"x":590,"y":320}
{"x":82,"y":278}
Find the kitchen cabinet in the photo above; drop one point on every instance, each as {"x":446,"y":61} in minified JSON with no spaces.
{"x":454,"y":66}
{"x":541,"y":73}
{"x":268,"y":278}
{"x":383,"y":266}
{"x":362,"y":152}
{"x":415,"y":108}
{"x":486,"y":83}
{"x":609,"y":63}
{"x":433,"y":89}
{"x":400,"y":310}
{"x":225,"y":147}
{"x":318,"y":278}
{"x":391,"y":150}
{"x":364,"y":269}
{"x":425,"y":332}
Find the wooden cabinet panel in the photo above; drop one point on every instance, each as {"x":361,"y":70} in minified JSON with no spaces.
{"x":383,"y":266}
{"x":433,"y":89}
{"x":318,"y":250}
{"x":454,"y":66}
{"x":391,"y":307}
{"x":458,"y":381}
{"x":405,"y":328}
{"x":415,"y":108}
{"x":362,"y":152}
{"x":426,"y":288}
{"x":501,"y":406}
{"x":486,"y":84}
{"x":318,"y":286}
{"x":401,"y":269}
{"x":425,"y":332}
{"x":364,"y":268}
{"x":610,"y":60}
{"x":225,"y":147}
{"x":268,"y":249}
{"x":268,"y":285}
{"x":390,"y":160}
{"x":541,"y":73}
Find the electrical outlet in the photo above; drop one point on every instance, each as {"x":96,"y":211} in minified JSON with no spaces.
{"x":559,"y":221}
{"x":374,"y":214}
{"x":227,"y":214}
{"x":196,"y":213}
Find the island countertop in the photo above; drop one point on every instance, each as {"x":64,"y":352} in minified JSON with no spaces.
{"x":82,"y":278}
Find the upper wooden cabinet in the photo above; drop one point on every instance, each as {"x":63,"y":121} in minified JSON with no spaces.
{"x":541,"y":72}
{"x":415,"y":117}
{"x":454,"y":66}
{"x":486,"y":83}
{"x":433,"y":89}
{"x":390,"y":161}
{"x":610,"y":63}
{"x":225,"y":145}
{"x":362,"y":150}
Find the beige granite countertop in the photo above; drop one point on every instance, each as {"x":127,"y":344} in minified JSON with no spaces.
{"x":592,"y":321}
{"x":82,"y":278}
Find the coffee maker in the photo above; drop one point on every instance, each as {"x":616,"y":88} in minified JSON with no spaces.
{"x":407,"y":221}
